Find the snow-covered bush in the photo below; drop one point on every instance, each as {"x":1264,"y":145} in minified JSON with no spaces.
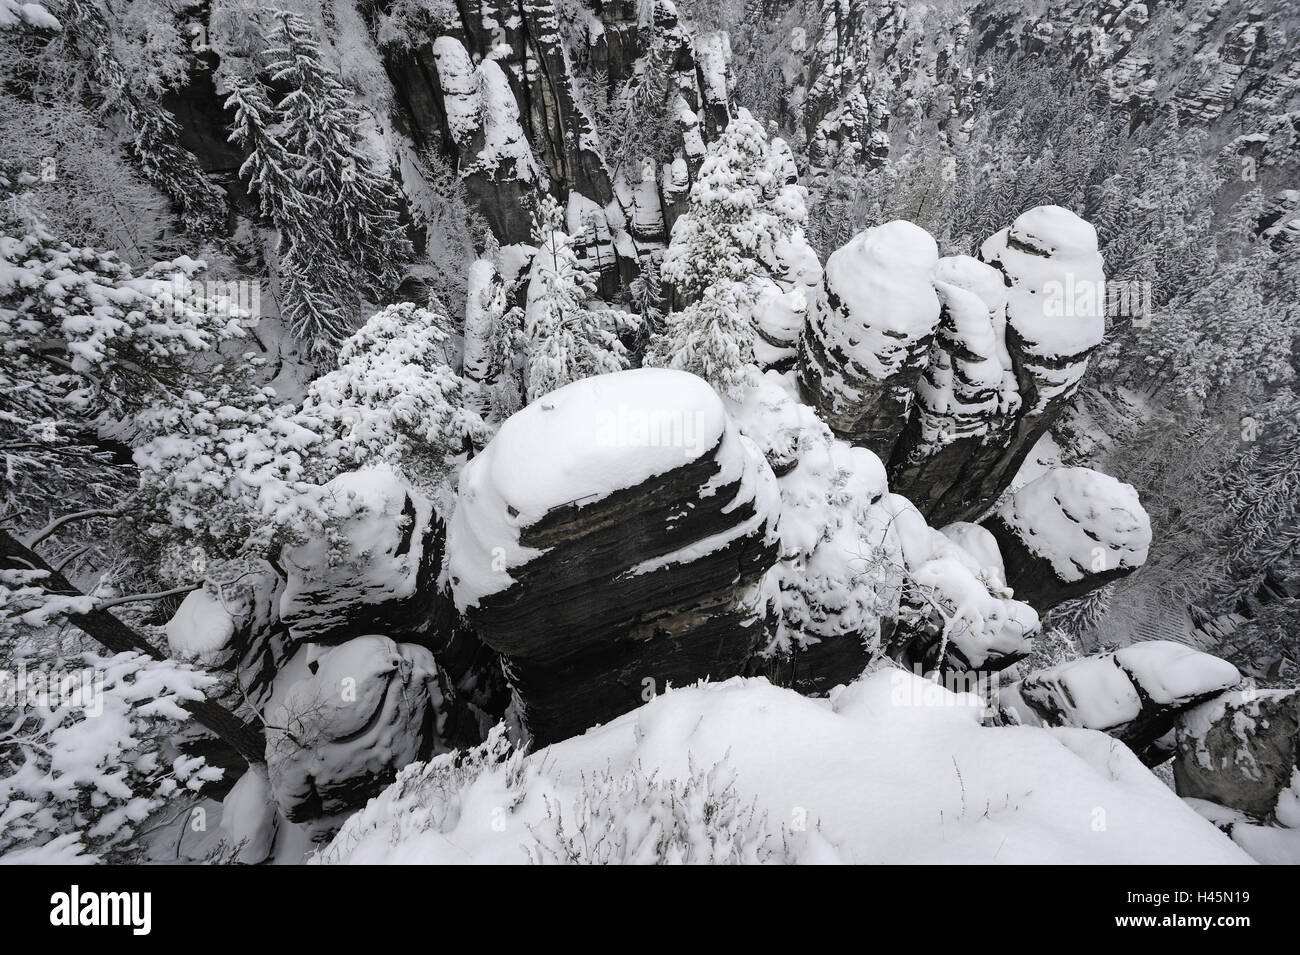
{"x":640,"y":818}
{"x":394,"y":397}
{"x":226,"y":474}
{"x":239,"y":473}
{"x":86,"y":343}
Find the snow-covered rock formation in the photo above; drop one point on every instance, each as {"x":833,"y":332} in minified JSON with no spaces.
{"x":1068,"y":532}
{"x":608,"y":541}
{"x":867,"y":337}
{"x":1242,"y":751}
{"x":967,"y":399}
{"x":374,"y":570}
{"x":1056,"y":315}
{"x":236,"y":628}
{"x":1135,"y":694}
{"x":951,"y":369}
{"x":359,"y":713}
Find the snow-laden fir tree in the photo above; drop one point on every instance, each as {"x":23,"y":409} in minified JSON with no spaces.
{"x":155,"y":136}
{"x":319,"y":124}
{"x":237,"y":472}
{"x":316,"y":295}
{"x":395,"y":398}
{"x":494,"y":345}
{"x":743,"y":220}
{"x":571,"y":334}
{"x":86,"y":344}
{"x":338,"y":217}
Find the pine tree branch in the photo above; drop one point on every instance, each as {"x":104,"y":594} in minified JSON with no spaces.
{"x":57,"y":523}
{"x":135,"y":598}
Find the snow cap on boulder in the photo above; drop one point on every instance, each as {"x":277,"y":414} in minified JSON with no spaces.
{"x":575,"y":446}
{"x":1056,"y":300}
{"x":883,"y":281}
{"x":1081,"y":521}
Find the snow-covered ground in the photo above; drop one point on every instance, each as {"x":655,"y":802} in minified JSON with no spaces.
{"x":891,"y":769}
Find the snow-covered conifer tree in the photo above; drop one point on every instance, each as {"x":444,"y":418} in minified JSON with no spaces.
{"x":319,"y":125}
{"x":569,"y":336}
{"x":316,"y":291}
{"x":744,"y":223}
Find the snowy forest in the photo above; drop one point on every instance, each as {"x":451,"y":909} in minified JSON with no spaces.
{"x":649,"y":431}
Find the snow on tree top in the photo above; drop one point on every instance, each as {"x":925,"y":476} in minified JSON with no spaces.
{"x":1080,"y":520}
{"x":883,"y":280}
{"x":577,"y":445}
{"x":12,"y":13}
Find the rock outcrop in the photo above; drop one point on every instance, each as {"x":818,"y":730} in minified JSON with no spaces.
{"x":608,"y":542}
{"x":496,"y":90}
{"x":340,"y":733}
{"x":868,"y":335}
{"x":1068,"y":532}
{"x":1135,"y":694}
{"x":967,"y":399}
{"x":1056,"y":315}
{"x":375,"y":568}
{"x":955,"y":611}
{"x":1242,"y":751}
{"x":861,"y":573}
{"x":235,"y":628}
{"x":836,"y":591}
{"x":951,"y":369}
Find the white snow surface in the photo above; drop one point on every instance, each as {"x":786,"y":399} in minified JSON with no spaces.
{"x":200,"y":630}
{"x":249,"y":818}
{"x":883,"y":279}
{"x":980,"y":544}
{"x":891,"y":769}
{"x":1171,"y":673}
{"x":1081,"y":520}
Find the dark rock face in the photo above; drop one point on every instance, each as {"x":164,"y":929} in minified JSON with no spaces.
{"x":339,"y":734}
{"x":597,"y":603}
{"x":497,"y":95}
{"x":966,"y":401}
{"x":1242,"y":751}
{"x":1069,"y":532}
{"x":1135,"y":694}
{"x":380,"y":572}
